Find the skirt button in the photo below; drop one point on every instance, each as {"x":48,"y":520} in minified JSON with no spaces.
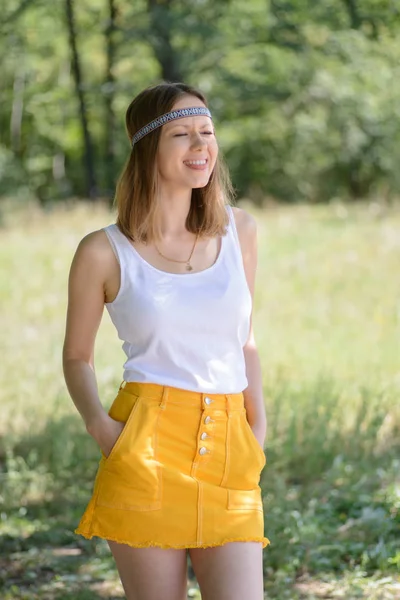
{"x":207,"y":419}
{"x":207,"y":400}
{"x":202,"y":450}
{"x":204,"y":436}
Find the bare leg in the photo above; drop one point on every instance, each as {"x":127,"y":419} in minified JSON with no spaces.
{"x":151,"y":573}
{"x":232,"y":571}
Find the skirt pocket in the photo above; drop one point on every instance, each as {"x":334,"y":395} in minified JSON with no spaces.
{"x":130,"y":478}
{"x":115,"y":413}
{"x":245,"y":458}
{"x":254,"y":441}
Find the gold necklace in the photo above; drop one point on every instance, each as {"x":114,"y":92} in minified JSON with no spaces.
{"x":188,"y":265}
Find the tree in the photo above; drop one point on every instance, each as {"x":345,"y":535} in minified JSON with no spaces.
{"x":109,"y":96}
{"x":77,"y":74}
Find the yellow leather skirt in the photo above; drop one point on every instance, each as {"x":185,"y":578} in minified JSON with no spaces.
{"x":184,"y":472}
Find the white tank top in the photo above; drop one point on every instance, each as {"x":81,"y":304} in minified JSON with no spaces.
{"x":183,"y":330}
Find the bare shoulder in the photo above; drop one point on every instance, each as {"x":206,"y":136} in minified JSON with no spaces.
{"x":94,"y":251}
{"x":246,"y":226}
{"x":95,"y":241}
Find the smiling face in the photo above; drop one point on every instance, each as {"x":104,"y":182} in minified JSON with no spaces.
{"x":187,"y":149}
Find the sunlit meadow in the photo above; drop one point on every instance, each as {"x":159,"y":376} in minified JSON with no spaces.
{"x":327,"y":323}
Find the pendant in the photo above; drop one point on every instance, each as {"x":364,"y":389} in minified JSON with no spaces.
{"x":189,"y":267}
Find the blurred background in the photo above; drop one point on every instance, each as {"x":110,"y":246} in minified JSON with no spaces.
{"x":306,"y":103}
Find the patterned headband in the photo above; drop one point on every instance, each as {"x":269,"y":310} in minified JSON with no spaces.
{"x":170,"y":116}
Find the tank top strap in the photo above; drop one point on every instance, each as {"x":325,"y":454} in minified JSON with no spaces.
{"x":235,"y":248}
{"x":119,"y":243}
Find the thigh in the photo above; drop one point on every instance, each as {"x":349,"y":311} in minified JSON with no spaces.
{"x":149,"y":573}
{"x":232,"y":571}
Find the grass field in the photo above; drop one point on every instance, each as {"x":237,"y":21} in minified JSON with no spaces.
{"x":327,"y":322}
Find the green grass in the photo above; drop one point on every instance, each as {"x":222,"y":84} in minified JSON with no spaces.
{"x":327,"y":322}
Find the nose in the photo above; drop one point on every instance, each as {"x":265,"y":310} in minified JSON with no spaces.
{"x":198,"y":140}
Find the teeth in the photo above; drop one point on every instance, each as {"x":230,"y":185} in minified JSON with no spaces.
{"x":195,"y":162}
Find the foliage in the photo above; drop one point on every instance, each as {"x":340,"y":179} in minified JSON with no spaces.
{"x":328,"y":342}
{"x":305,"y":95}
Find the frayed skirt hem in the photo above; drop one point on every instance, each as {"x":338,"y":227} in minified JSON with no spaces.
{"x":265,"y":541}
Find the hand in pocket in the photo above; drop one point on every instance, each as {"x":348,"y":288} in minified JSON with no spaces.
{"x":107,"y":435}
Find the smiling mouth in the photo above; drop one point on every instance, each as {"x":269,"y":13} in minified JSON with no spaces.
{"x":197,"y":165}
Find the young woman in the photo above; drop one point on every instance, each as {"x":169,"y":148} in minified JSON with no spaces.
{"x":182,"y":444}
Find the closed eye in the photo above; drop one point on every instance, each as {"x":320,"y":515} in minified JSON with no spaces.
{"x":204,"y":132}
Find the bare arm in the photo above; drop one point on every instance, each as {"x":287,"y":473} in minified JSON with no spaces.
{"x":253,"y":394}
{"x":90,"y":268}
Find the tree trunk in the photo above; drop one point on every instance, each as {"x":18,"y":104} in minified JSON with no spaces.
{"x":17,"y":111}
{"x":354,"y":15}
{"x":160,"y":26}
{"x":109,"y":94}
{"x":76,"y":70}
{"x":59,"y":172}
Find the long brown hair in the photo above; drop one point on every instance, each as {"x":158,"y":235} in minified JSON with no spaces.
{"x":136,"y":193}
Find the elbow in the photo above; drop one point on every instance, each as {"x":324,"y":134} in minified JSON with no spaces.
{"x":71,"y":358}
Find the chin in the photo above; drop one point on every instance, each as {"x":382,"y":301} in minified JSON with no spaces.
{"x":199,"y":185}
{"x":199,"y":182}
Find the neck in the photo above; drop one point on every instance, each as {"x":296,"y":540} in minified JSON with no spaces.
{"x":173,"y":211}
